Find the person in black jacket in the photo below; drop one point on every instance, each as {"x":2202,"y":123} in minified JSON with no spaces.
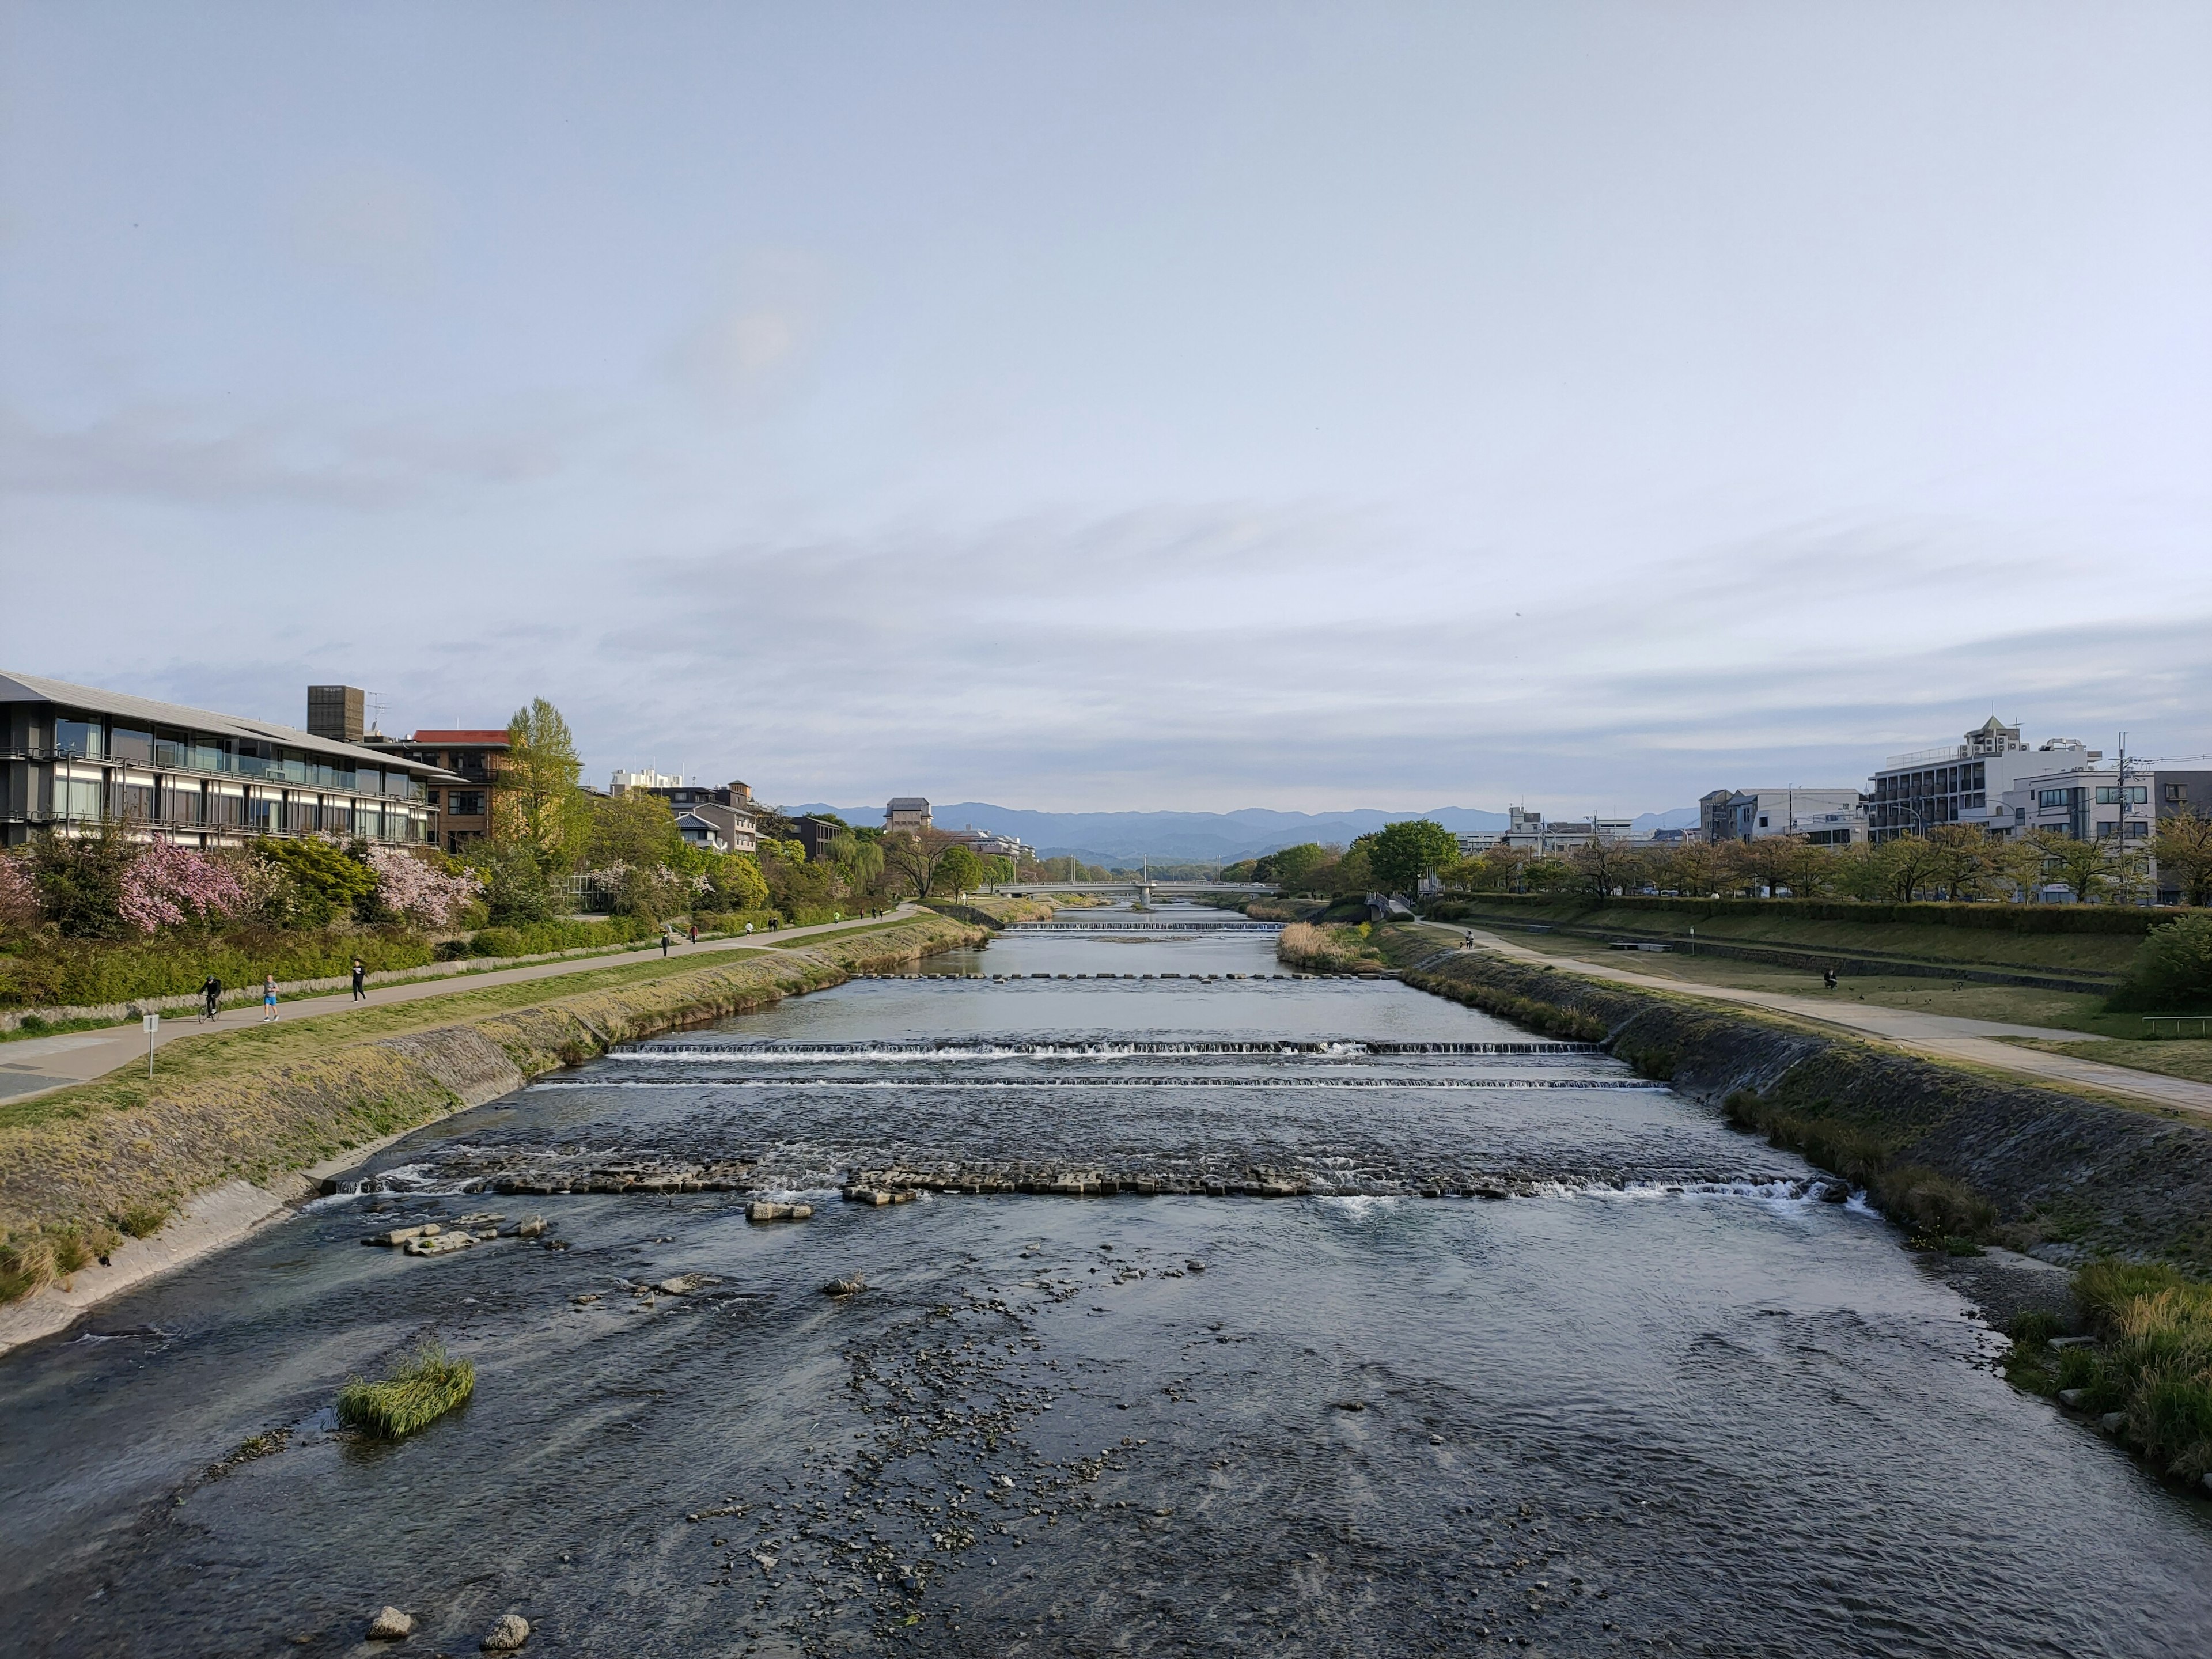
{"x":211,"y":996}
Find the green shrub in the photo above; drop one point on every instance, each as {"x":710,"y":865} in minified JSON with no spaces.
{"x":2172,"y":969}
{"x":1932,"y":1206}
{"x":143,"y":1220}
{"x":422,"y":1391}
{"x":79,"y":973}
{"x":497,"y":942}
{"x":2156,"y":1366}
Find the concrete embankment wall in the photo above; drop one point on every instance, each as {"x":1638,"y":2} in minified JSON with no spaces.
{"x":244,"y":1143}
{"x":2061,"y":1169}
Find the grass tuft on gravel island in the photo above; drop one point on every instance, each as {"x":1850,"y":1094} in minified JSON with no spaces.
{"x":425,"y":1390}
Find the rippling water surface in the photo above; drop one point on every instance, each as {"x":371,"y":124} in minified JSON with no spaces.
{"x":1666,"y":1395}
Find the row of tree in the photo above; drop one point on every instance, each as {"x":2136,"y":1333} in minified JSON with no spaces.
{"x":1953,"y":861}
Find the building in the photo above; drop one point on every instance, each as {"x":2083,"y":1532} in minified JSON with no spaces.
{"x":474,"y":757}
{"x":985,"y":845}
{"x":815,"y":835}
{"x":1529,"y":831}
{"x":906,"y":814}
{"x":73,"y":756}
{"x":728,"y":818}
{"x":1963,"y":782}
{"x":1825,"y":816}
{"x":658,"y":782}
{"x":2084,"y":803}
{"x":2172,"y":793}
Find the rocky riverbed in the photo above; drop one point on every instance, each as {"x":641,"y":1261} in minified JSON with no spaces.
{"x":1664,"y":1396}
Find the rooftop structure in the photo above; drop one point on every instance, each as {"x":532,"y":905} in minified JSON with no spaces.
{"x":908,"y":814}
{"x":1963,"y":782}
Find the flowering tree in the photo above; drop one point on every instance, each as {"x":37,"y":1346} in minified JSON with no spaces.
{"x":416,"y":889}
{"x":165,"y":886}
{"x":19,"y":895}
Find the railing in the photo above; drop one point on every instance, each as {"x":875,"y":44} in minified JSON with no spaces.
{"x":1927,"y":757}
{"x":233,"y":820}
{"x":215,"y":763}
{"x":2203,"y":1023}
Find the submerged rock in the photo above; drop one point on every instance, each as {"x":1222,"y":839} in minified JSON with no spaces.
{"x":685,"y":1284}
{"x":391,"y":1625}
{"x":761,"y":1210}
{"x":510,"y":1633}
{"x":532,"y":1228}
{"x":850,"y":1286}
{"x":441,"y":1244}
{"x":404,"y":1235}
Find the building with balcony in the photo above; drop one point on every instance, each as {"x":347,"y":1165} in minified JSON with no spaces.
{"x":986,"y":844}
{"x":72,"y":757}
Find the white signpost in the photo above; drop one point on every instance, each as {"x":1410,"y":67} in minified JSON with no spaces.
{"x":153,"y":1024}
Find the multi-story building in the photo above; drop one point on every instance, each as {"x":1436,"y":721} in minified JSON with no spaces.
{"x":725,"y":819}
{"x":985,"y":845}
{"x":2086,"y":803}
{"x":474,"y":757}
{"x":1825,"y":816}
{"x":72,"y":757}
{"x":1963,"y":782}
{"x":658,"y":782}
{"x":2172,"y":794}
{"x":906,"y":814}
{"x":1528,"y":830}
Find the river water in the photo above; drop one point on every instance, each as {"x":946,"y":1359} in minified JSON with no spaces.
{"x":1665,"y":1397}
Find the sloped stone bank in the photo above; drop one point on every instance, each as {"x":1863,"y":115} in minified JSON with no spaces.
{"x":2067,"y":1176}
{"x":276,"y":1127}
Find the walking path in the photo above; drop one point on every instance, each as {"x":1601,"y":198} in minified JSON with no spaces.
{"x":35,"y":1065}
{"x":1967,"y":1042}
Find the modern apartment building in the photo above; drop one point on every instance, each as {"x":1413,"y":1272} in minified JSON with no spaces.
{"x":907,"y":815}
{"x":72,"y":756}
{"x":658,"y":782}
{"x":1963,"y":782}
{"x":2087,"y":803}
{"x":1529,"y":831}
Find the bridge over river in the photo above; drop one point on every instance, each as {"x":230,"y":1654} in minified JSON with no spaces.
{"x":1144,"y":889}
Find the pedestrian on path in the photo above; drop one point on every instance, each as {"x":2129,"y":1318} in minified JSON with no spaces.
{"x":664,"y":944}
{"x":694,"y":933}
{"x":360,"y":973}
{"x":211,"y":996}
{"x":268,"y":997}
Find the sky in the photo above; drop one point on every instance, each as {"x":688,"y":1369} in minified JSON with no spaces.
{"x":1129,"y":406}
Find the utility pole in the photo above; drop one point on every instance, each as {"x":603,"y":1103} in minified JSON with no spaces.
{"x":153,"y":1024}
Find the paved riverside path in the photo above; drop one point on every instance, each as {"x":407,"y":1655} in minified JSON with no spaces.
{"x":1945,"y":1036}
{"x":35,"y":1065}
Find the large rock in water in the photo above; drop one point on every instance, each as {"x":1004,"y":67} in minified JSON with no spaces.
{"x":510,"y":1633}
{"x":762,"y":1209}
{"x":391,"y":1625}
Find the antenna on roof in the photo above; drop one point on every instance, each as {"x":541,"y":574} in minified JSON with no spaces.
{"x":376,"y":713}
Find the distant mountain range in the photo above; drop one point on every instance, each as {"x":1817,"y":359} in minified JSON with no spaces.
{"x":1129,"y":838}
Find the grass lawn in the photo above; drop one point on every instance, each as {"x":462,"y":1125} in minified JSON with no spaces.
{"x":2185,"y":1057}
{"x":2098,"y":953}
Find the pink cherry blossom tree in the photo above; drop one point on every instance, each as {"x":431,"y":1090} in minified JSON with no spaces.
{"x":166,"y":885}
{"x":417,"y":890}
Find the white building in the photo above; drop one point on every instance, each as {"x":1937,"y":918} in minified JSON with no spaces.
{"x":626,"y":781}
{"x":1529,"y":831}
{"x":1965,"y":782}
{"x":1825,"y":816}
{"x":2088,"y":803}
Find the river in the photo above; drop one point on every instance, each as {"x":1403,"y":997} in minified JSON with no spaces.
{"x":1668,"y":1395}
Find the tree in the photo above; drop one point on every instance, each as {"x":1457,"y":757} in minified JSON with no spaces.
{"x":1403,"y":852}
{"x":911,"y":858}
{"x":2092,"y":870}
{"x":739,"y":884}
{"x":1768,"y":861}
{"x":539,"y":800}
{"x":1691,"y":868}
{"x":516,"y":892}
{"x":1607,"y":866}
{"x":2172,"y":968}
{"x":634,"y":828}
{"x":1288,"y":867}
{"x":1968,"y":863}
{"x":327,"y":880}
{"x":80,"y":880}
{"x":1910,"y":863}
{"x":958,"y":871}
{"x":2183,"y":847}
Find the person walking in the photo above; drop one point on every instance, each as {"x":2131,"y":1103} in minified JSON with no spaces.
{"x":268,"y":997}
{"x":664,"y":944}
{"x":694,"y":933}
{"x":360,"y":973}
{"x":211,"y":996}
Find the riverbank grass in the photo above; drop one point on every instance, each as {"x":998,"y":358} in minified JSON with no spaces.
{"x":431,"y":1383}
{"x":1331,"y":949}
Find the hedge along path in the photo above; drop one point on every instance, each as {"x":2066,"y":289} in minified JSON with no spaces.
{"x":265,"y":1106}
{"x":2058,"y":1168}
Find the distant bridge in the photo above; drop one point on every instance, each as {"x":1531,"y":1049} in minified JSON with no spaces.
{"x":1142,"y":888}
